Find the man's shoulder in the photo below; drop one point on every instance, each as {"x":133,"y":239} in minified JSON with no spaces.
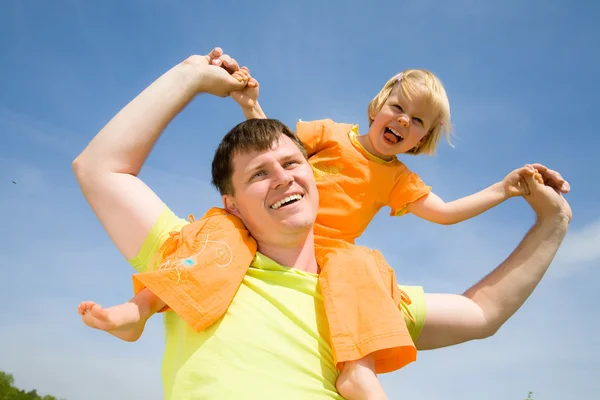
{"x":167,"y":222}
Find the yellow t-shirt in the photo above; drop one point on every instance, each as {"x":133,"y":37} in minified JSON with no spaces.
{"x":272,"y":343}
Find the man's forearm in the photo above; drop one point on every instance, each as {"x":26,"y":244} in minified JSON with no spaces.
{"x":478,"y":313}
{"x":504,"y":290}
{"x":107,"y":169}
{"x":125,"y":142}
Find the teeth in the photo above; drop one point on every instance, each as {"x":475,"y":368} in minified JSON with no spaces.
{"x":286,"y":200}
{"x":396,"y":133}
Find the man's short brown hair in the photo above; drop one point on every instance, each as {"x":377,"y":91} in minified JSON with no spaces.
{"x":250,"y":135}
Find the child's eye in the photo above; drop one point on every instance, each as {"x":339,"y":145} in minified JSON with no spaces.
{"x":398,"y":107}
{"x":419,"y":121}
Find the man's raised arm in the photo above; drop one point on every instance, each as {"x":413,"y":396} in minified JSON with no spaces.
{"x":107,"y":169}
{"x":485,"y":307}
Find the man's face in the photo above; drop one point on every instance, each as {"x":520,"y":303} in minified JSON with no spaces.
{"x":275,"y":192}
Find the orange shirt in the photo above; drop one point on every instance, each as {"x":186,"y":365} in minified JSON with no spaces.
{"x":353,"y":184}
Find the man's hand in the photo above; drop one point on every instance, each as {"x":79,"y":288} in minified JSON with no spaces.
{"x":545,"y":193}
{"x":515,"y":184}
{"x":247,"y":97}
{"x":552,"y":178}
{"x":214,"y":73}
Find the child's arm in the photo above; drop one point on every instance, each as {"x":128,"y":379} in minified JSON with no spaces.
{"x":433,"y":208}
{"x":310,"y":133}
{"x":247,"y":98}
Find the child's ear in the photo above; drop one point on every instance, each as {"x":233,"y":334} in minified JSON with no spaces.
{"x":371,"y":113}
{"x":421,"y":142}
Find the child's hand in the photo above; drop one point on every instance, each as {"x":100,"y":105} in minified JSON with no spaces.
{"x":515,"y":183}
{"x":247,"y":98}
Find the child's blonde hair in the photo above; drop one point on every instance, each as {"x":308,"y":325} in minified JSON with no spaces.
{"x":419,"y":82}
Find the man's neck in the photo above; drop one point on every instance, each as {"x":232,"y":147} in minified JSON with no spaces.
{"x":299,"y":254}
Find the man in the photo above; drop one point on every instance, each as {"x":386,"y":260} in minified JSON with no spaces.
{"x":272,"y":342}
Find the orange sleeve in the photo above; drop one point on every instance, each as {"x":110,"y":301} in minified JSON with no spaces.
{"x":409,"y":188}
{"x":311,"y":133}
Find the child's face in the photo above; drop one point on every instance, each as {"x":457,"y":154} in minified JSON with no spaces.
{"x":399,"y":125}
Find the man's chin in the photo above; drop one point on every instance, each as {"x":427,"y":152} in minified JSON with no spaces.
{"x":298,"y":223}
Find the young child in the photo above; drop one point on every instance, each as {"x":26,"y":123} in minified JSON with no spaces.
{"x":356,"y":175}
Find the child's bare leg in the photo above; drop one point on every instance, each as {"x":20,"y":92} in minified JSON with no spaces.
{"x":125,"y":321}
{"x":358,"y":381}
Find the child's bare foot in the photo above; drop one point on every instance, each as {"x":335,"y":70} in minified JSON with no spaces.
{"x":122,"y":321}
{"x":358,"y":381}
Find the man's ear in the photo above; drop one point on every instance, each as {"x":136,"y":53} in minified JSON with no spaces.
{"x":229,"y":204}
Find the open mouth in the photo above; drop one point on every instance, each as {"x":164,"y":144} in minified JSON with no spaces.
{"x":391,"y":136}
{"x":286,"y":201}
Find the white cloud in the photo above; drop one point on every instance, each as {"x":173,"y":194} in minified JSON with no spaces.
{"x":551,"y":335}
{"x":579,"y":250}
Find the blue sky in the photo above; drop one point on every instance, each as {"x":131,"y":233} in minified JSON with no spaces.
{"x":522,"y":78}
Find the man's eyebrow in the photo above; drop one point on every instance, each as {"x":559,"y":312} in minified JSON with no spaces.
{"x":289,"y":157}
